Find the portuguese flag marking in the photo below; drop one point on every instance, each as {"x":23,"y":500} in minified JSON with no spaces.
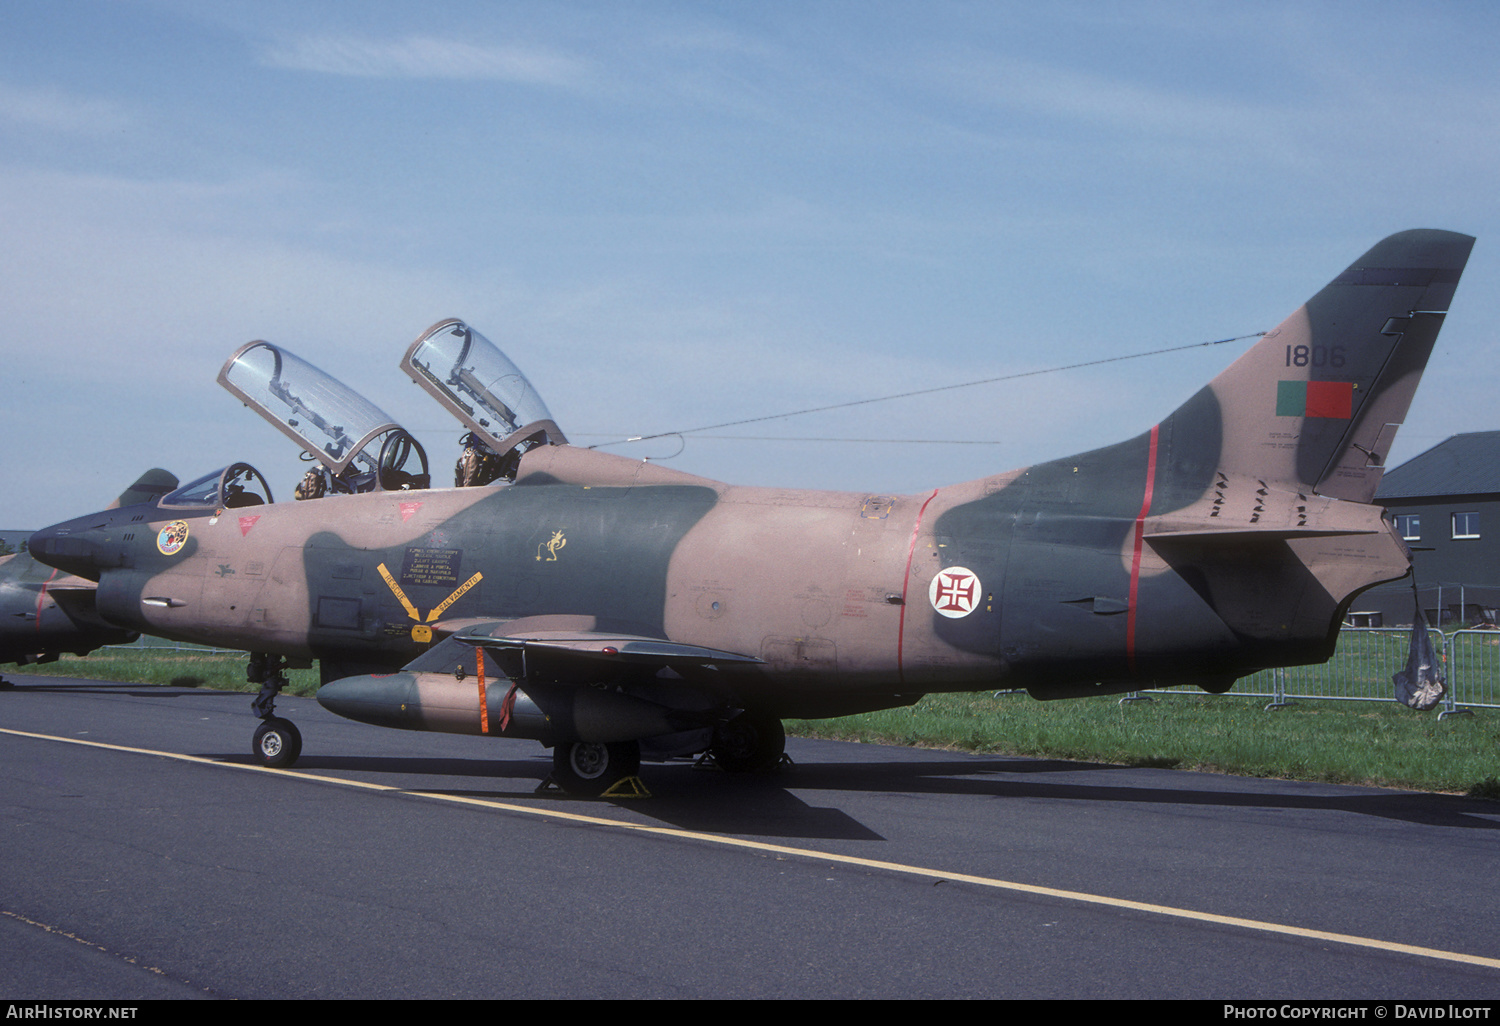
{"x":1315,"y":399}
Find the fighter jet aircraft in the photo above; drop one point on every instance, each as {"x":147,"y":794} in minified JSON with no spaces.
{"x":599,"y":604}
{"x":44,"y":612}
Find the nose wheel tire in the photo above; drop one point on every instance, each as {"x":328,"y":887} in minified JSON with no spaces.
{"x":592,"y":767}
{"x":277,"y":743}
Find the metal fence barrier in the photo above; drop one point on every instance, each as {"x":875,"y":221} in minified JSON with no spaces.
{"x":1473,"y":661}
{"x":1365,"y":660}
{"x":1360,"y":669}
{"x":146,"y":643}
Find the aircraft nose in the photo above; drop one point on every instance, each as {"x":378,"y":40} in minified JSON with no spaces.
{"x":75,"y":547}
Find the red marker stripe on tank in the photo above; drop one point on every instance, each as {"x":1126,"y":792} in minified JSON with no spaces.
{"x":484,"y":701}
{"x":1135,"y":560}
{"x":911,"y":549}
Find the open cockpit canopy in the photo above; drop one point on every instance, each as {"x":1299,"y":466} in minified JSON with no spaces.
{"x":479,"y":385}
{"x":361,"y":446}
{"x":232,"y":487}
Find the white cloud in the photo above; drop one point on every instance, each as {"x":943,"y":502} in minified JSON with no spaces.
{"x":1103,"y":101}
{"x":59,"y":112}
{"x":427,"y":57}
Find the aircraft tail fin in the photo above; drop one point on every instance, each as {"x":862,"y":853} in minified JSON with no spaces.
{"x":1314,"y":406}
{"x":149,"y":487}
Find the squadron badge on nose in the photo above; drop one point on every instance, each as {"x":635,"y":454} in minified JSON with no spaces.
{"x":172,"y":538}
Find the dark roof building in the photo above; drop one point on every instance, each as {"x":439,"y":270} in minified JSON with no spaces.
{"x":1467,"y":464}
{"x":1446,"y":504}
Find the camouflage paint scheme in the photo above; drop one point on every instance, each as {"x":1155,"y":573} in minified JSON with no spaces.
{"x":44,"y":612}
{"x":1228,"y":538}
{"x":33,"y":627}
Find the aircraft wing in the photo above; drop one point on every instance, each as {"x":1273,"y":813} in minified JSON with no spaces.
{"x":588,"y":652}
{"x":71,"y":582}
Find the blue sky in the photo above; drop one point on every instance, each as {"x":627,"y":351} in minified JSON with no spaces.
{"x":678,"y":214}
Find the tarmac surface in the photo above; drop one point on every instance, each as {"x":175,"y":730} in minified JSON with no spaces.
{"x":145,"y":856}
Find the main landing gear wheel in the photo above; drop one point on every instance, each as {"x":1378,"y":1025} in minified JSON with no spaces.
{"x":749,"y":743}
{"x":592,"y":767}
{"x":277,"y":743}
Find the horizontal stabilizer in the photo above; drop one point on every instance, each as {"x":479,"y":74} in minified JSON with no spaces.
{"x":1239,"y":534}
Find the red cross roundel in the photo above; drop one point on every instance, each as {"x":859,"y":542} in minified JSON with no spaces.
{"x":954,"y":592}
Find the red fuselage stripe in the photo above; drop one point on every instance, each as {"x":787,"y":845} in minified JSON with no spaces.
{"x":41,"y":596}
{"x":911,"y":549}
{"x":1135,"y":559}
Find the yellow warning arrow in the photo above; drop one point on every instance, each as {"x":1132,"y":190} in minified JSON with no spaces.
{"x":457,"y":594}
{"x":411,"y":610}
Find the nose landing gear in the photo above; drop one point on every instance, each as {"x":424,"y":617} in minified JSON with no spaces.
{"x":277,"y":742}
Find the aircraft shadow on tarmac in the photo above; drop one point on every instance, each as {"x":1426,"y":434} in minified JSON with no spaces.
{"x":769,"y":804}
{"x":970,"y":777}
{"x":683,"y":796}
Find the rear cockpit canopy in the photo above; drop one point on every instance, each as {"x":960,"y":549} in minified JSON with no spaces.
{"x":478,"y":384}
{"x":360,"y":446}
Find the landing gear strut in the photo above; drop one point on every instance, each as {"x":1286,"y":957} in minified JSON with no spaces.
{"x":277,"y":741}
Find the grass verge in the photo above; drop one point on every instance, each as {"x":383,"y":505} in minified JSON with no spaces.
{"x":1338,"y":742}
{"x":165,"y":666}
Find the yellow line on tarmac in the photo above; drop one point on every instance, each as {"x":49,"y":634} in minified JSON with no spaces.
{"x":985,"y":881}
{"x":826,"y":856}
{"x":203,"y":760}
